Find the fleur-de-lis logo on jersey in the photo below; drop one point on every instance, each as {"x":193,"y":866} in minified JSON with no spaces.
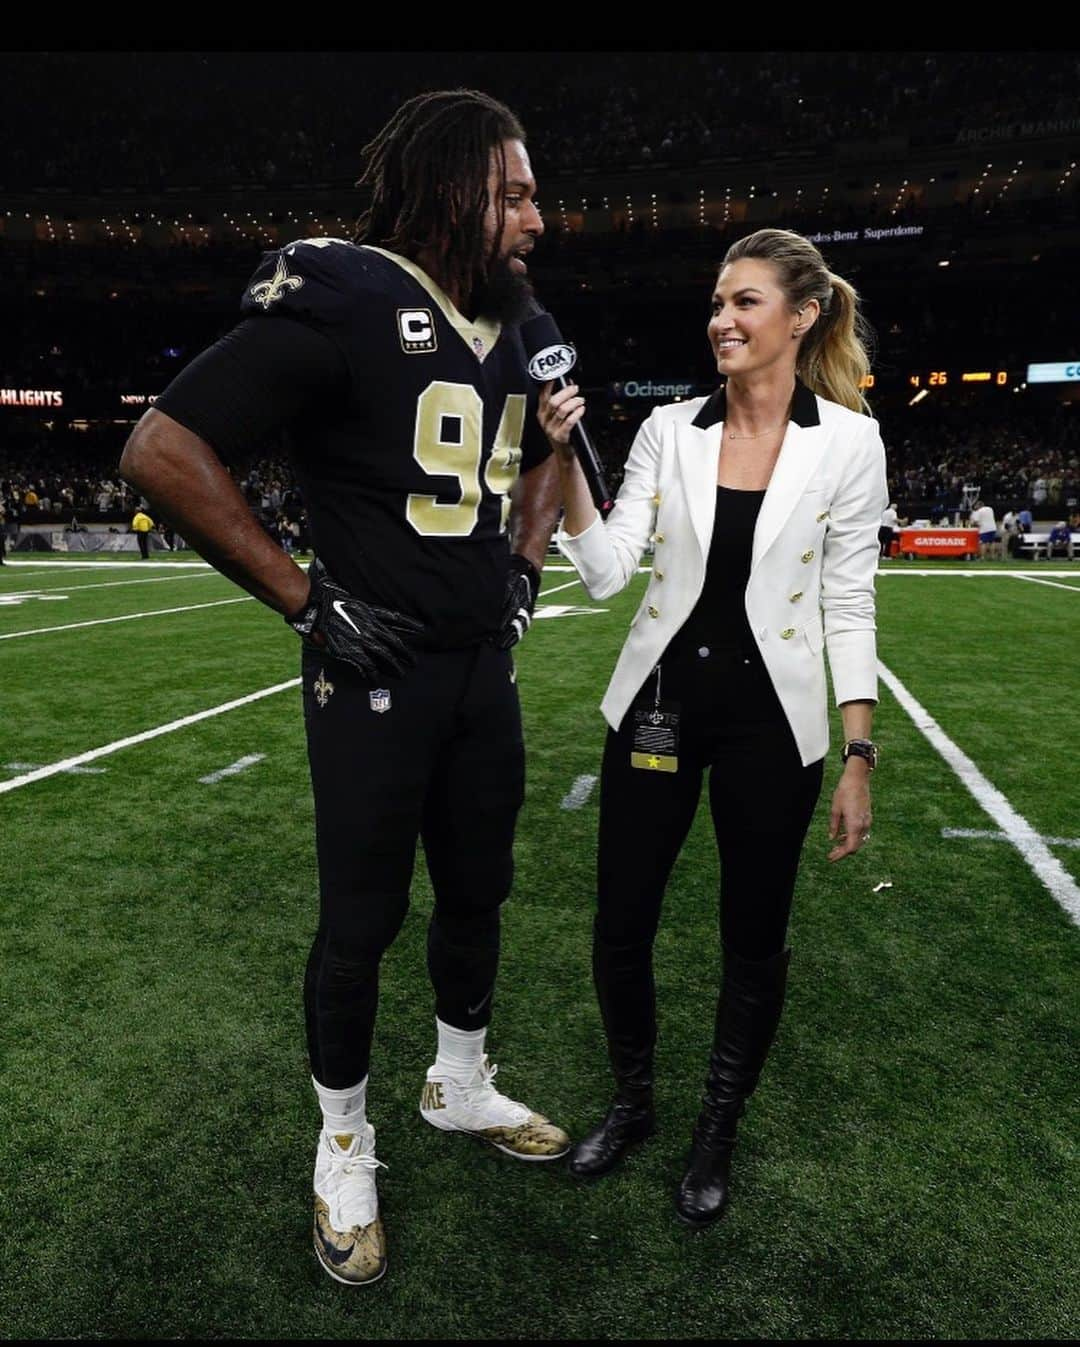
{"x":269,"y":292}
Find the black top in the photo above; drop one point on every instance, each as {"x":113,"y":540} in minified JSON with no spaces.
{"x":719,"y":622}
{"x":407,"y":425}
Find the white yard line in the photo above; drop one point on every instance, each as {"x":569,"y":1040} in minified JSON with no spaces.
{"x":240,"y":765}
{"x":1019,"y":831}
{"x":1038,"y":580}
{"x":991,"y":836}
{"x":556,"y":588}
{"x":557,"y":567}
{"x":149,"y":580}
{"x":578,"y":793}
{"x":33,"y":766}
{"x":544,"y":610}
{"x":989,"y":575}
{"x":127,"y":617}
{"x":109,"y":565}
{"x":66,"y":764}
{"x":45,"y":569}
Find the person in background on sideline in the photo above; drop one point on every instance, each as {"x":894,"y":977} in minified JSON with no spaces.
{"x":141,"y":524}
{"x":1060,"y":541}
{"x":890,"y":521}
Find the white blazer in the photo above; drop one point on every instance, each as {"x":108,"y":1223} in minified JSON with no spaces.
{"x":814,"y":555}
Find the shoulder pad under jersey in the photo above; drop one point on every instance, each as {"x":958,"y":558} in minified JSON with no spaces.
{"x":311,"y":279}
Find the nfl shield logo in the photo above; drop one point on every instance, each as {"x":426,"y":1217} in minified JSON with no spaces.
{"x":380,"y":699}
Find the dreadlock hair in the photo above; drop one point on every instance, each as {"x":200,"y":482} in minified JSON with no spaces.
{"x":428,"y":173}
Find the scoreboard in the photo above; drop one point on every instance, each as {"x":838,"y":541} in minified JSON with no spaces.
{"x":926,"y":379}
{"x":941,"y":378}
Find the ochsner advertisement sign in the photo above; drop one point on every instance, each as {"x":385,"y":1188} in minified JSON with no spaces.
{"x":1065,"y":372}
{"x":650,"y":388}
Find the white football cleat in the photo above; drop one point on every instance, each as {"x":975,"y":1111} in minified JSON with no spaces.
{"x":472,"y":1104}
{"x":348,"y":1233}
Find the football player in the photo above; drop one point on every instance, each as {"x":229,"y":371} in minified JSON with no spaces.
{"x":395,"y":367}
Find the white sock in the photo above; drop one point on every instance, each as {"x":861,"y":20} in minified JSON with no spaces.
{"x":460,"y":1050}
{"x":344,"y":1111}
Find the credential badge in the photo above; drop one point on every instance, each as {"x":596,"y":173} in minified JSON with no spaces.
{"x":269,"y":292}
{"x":380,"y":699}
{"x":323,"y":688}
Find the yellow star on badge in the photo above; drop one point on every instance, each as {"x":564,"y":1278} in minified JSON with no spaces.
{"x":654,"y":761}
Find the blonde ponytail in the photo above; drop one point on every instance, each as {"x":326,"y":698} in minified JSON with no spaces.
{"x":834,"y":359}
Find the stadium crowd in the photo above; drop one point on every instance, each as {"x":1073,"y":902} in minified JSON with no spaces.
{"x":1020,"y":460}
{"x":119,"y":319}
{"x":133,"y":119}
{"x":68,"y":477}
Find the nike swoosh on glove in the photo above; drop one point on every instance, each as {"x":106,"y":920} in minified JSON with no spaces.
{"x":362,"y":634}
{"x":522,"y":587}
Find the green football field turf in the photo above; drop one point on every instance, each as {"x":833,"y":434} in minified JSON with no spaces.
{"x":907,"y":1169}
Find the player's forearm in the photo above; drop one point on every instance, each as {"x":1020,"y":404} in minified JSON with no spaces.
{"x":180,"y":474}
{"x":535,"y":509}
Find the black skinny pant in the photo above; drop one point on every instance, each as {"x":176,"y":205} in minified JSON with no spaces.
{"x":761,"y":796}
{"x":443,"y":761}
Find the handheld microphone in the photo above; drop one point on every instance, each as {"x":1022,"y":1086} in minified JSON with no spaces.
{"x":550,"y":361}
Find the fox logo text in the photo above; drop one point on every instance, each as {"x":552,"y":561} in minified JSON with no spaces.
{"x":552,"y":362}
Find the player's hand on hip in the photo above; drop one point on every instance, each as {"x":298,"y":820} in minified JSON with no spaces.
{"x":370,"y":638}
{"x":522,"y":587}
{"x":851,"y":815}
{"x":558,"y":413}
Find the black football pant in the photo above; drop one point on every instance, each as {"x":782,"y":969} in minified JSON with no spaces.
{"x":435,"y":754}
{"x":761,"y":797}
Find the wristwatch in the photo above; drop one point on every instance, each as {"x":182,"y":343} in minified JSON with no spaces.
{"x":860,"y":748}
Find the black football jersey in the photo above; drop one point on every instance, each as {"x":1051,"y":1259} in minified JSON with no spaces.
{"x":406,"y":474}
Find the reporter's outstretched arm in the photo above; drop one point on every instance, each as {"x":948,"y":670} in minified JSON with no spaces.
{"x":605,"y":553}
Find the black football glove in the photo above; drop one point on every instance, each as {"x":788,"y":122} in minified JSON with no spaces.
{"x":367,"y":637}
{"x":522,"y":587}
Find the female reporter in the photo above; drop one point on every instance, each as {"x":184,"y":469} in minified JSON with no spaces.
{"x":763,"y":502}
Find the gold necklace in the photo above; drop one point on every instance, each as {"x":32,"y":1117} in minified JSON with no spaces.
{"x":756,"y":436}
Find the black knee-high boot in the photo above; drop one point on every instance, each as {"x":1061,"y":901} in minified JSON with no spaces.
{"x":627,"y":996}
{"x":747,"y":1014}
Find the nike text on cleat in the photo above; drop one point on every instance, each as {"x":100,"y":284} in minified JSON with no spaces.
{"x":348,"y":1234}
{"x":472,"y":1104}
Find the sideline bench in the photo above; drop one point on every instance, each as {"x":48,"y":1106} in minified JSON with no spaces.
{"x":1036,"y":545}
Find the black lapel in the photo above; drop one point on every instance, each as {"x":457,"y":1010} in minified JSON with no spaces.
{"x":804,"y":409}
